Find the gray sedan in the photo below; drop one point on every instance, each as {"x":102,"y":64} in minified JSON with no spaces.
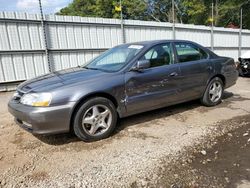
{"x":125,"y":80}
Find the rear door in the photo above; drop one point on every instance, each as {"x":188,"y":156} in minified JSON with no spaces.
{"x":156,"y":86}
{"x":195,"y":68}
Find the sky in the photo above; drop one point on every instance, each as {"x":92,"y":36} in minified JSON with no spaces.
{"x":32,"y":6}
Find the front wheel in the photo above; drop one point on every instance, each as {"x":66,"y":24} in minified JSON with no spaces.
{"x":95,"y":119}
{"x":213,"y":92}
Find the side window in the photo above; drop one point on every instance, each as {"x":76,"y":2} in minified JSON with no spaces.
{"x":159,"y":55}
{"x":188,"y":52}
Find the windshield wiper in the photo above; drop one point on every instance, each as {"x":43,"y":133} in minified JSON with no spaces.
{"x":91,"y":68}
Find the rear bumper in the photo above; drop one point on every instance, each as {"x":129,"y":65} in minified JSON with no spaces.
{"x":42,"y":120}
{"x":231,"y":78}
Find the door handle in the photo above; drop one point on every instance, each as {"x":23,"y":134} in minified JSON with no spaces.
{"x":173,"y":74}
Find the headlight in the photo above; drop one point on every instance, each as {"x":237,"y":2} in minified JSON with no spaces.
{"x":36,"y":99}
{"x":15,"y":94}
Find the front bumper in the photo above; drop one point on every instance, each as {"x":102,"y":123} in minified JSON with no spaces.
{"x":244,"y":67}
{"x":42,"y":120}
{"x":245,"y":70}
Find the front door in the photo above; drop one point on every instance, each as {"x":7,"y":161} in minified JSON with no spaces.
{"x":155,"y":86}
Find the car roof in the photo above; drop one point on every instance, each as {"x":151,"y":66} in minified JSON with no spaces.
{"x":153,"y":42}
{"x":150,"y":43}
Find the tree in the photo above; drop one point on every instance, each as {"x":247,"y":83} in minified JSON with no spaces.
{"x":229,"y":12}
{"x":135,"y":9}
{"x":225,"y":12}
{"x":186,"y":11}
{"x":246,"y":15}
{"x":79,"y":8}
{"x":160,"y":10}
{"x":196,"y":10}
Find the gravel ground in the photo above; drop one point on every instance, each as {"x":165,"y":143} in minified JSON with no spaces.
{"x":220,"y":162}
{"x":152,"y":149}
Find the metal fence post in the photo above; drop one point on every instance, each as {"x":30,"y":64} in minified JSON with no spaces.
{"x":212,"y":29}
{"x":240,"y":34}
{"x":122,"y":24}
{"x":173,"y":15}
{"x":45,"y":37}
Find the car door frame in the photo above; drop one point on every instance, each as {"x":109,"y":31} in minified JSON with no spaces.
{"x":174,"y":65}
{"x":199,"y":90}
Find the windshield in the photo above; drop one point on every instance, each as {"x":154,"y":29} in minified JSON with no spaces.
{"x":115,"y":58}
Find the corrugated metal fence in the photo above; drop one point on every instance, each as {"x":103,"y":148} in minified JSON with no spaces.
{"x":73,"y":40}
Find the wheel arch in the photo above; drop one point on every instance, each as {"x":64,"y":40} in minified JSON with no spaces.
{"x":214,"y":76}
{"x":87,"y":97}
{"x":222,"y":77}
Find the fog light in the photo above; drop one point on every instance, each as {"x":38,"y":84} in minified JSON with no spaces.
{"x":27,"y":124}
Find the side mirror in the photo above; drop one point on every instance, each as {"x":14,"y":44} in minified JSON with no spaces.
{"x":142,"y":64}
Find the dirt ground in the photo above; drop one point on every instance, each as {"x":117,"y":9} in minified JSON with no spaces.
{"x":186,"y":145}
{"x":224,"y":163}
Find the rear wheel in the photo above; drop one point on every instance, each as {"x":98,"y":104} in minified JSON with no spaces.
{"x":213,"y":93}
{"x":95,"y":119}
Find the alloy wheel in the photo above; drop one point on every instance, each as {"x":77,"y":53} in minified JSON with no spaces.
{"x":97,"y":120}
{"x":215,"y":91}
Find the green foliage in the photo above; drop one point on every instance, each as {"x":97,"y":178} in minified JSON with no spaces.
{"x":135,"y":9}
{"x":229,"y":12}
{"x":186,"y":11}
{"x":160,"y":10}
{"x":196,"y":10}
{"x":79,"y":8}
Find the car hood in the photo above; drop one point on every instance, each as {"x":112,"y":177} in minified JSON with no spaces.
{"x":59,"y":78}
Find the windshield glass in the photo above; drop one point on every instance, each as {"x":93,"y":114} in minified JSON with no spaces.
{"x":115,"y":58}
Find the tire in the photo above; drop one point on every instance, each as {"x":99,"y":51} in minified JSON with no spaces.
{"x":207,"y":99}
{"x":95,"y":119}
